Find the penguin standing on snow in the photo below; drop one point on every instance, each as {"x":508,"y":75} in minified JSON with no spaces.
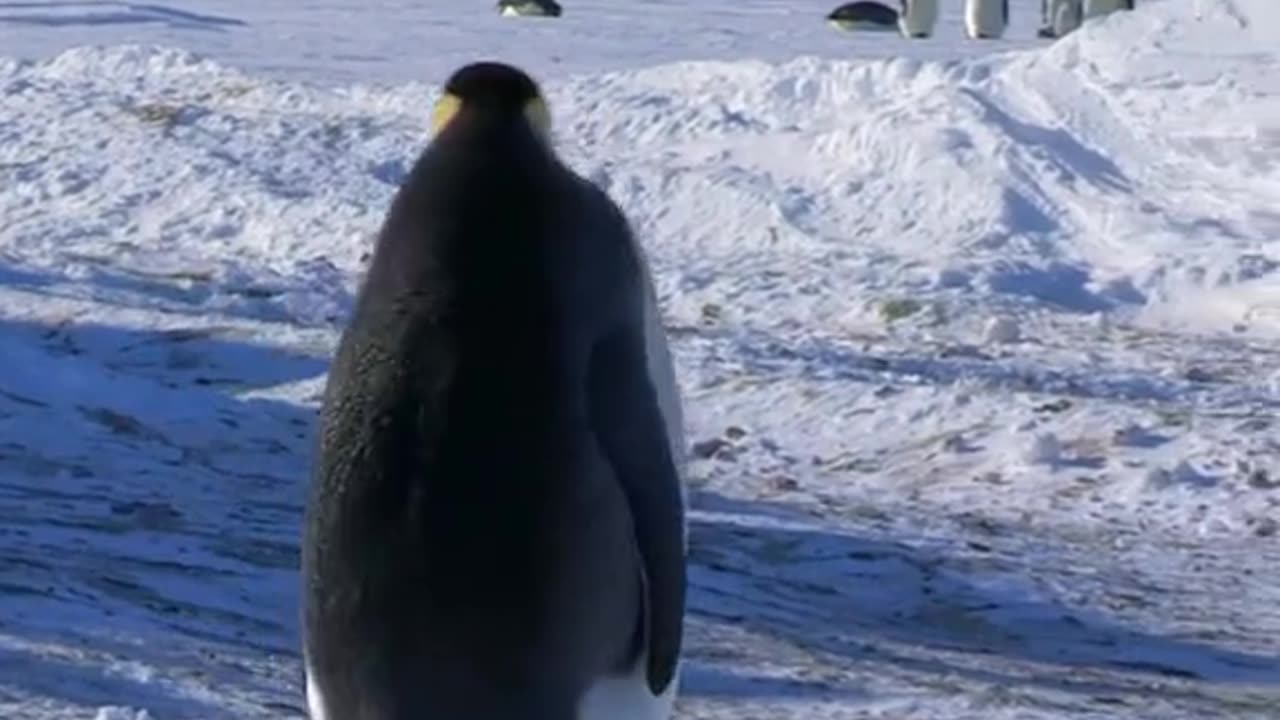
{"x":1059,"y":18}
{"x":496,"y":524}
{"x":986,"y":19}
{"x":917,"y":18}
{"x":1098,"y":8}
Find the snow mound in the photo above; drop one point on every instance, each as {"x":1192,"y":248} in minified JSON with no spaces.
{"x":1118,"y":170}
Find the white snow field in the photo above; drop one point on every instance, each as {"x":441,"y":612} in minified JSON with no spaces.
{"x":980,"y":341}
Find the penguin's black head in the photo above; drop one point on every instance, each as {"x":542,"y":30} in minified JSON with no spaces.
{"x":492,"y":89}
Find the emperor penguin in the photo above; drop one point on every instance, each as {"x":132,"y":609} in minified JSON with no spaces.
{"x":1060,"y":17}
{"x":986,"y":19}
{"x":864,"y":15}
{"x":917,"y":18}
{"x":1098,"y":8}
{"x":496,"y":526}
{"x":530,"y":8}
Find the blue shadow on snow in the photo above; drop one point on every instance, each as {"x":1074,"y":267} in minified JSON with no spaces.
{"x":189,"y":558}
{"x":832,"y":592}
{"x":196,"y":293}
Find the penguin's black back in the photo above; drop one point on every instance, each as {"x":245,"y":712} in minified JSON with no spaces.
{"x":465,"y":554}
{"x":865,"y":11}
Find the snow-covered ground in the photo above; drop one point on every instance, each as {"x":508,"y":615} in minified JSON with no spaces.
{"x":344,"y":41}
{"x":981,"y":348}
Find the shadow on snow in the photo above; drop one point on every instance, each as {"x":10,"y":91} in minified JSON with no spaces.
{"x":871,"y":601}
{"x":136,"y":493}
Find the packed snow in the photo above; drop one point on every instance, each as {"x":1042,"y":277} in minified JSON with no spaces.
{"x":980,"y":342}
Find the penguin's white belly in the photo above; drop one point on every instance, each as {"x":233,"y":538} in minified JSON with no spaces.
{"x":984,"y":18}
{"x":919,"y":18}
{"x":315,"y":701}
{"x":1064,"y":16}
{"x":524,"y":10}
{"x":627,"y":697}
{"x":1095,"y":8}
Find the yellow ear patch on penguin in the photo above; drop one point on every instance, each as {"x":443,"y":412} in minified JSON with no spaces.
{"x":446,"y":108}
{"x":536,"y":114}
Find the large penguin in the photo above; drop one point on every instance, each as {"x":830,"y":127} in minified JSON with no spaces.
{"x":917,"y":18}
{"x":1060,"y":17}
{"x":1098,"y":8}
{"x":496,"y":524}
{"x":986,"y":19}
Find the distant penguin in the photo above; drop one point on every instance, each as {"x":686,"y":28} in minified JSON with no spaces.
{"x":986,"y":19}
{"x":1060,"y":17}
{"x":864,"y":16}
{"x":917,"y":18}
{"x":496,"y":522}
{"x":1098,"y":8}
{"x":529,"y":8}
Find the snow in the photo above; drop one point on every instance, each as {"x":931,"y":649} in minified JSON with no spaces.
{"x":978,"y":340}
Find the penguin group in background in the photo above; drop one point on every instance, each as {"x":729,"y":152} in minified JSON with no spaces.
{"x":1059,"y":18}
{"x":986,"y":19}
{"x":1098,"y":8}
{"x":864,"y":16}
{"x":529,"y":8}
{"x":917,"y":18}
{"x":496,"y":522}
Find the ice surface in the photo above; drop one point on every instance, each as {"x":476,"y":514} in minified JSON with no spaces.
{"x":978,"y":340}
